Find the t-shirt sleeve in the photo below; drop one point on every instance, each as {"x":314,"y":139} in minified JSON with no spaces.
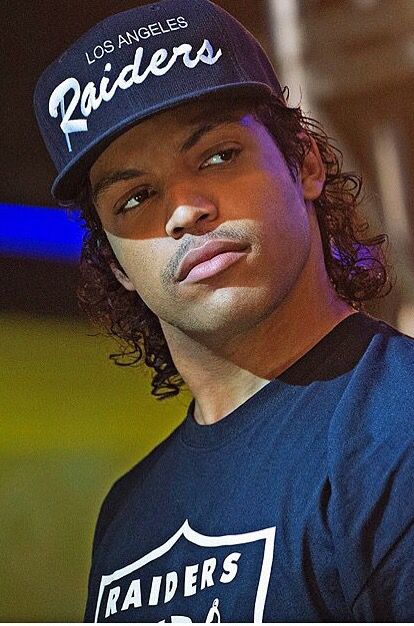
{"x":371,"y":470}
{"x":388,"y":594}
{"x":111,"y":507}
{"x":106,"y":513}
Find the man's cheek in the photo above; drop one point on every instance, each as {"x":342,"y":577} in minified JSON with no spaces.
{"x":118,"y":245}
{"x":127,"y":252}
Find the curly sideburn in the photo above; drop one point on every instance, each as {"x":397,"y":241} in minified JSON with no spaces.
{"x":356,"y":263}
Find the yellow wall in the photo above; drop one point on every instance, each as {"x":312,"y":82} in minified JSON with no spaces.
{"x":71,"y":422}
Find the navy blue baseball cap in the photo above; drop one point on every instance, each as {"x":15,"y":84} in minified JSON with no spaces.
{"x":133,"y":65}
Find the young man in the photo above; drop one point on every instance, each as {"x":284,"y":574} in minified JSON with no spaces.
{"x":224,"y":246}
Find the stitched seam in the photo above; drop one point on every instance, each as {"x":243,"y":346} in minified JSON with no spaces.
{"x":221,"y":26}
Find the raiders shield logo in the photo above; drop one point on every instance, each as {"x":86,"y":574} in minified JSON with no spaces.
{"x":192,"y":578}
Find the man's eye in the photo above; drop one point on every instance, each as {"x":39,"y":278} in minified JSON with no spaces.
{"x":224,"y":156}
{"x":135,"y":200}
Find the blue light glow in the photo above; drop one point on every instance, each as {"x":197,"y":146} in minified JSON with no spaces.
{"x":40,"y":232}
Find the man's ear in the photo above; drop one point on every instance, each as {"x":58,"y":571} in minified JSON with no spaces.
{"x":122,"y":278}
{"x":313,"y":173}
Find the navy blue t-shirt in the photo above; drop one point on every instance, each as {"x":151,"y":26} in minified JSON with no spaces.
{"x":297,"y":506}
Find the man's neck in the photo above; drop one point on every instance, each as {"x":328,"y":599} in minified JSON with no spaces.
{"x":221,"y":378}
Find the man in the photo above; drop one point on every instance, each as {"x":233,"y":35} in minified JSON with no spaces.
{"x":224,"y":246}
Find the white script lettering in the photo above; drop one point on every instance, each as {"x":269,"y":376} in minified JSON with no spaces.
{"x":90,"y":100}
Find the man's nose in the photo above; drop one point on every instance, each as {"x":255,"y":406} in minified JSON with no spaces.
{"x":190,"y":211}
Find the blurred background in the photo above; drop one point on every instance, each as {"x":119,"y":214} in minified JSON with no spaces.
{"x":71,"y":421}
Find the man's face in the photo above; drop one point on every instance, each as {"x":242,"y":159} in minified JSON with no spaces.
{"x":190,"y":176}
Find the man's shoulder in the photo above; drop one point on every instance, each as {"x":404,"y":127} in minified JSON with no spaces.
{"x":379,"y":327}
{"x":138,"y":473}
{"x":371,"y":455}
{"x":388,"y":365}
{"x":378,"y":399}
{"x":128,"y":482}
{"x":387,"y":355}
{"x":396,"y":339}
{"x":371,"y":434}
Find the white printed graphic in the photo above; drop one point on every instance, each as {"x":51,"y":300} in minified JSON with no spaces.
{"x":221,"y":558}
{"x":91,"y":97}
{"x":214,"y":613}
{"x":131,"y":37}
{"x":213,"y":616}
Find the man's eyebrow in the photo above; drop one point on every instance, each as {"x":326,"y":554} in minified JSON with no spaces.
{"x":117,"y":176}
{"x":111,"y":178}
{"x":206,"y":128}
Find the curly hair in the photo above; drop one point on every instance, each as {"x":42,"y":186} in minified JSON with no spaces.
{"x":355,"y":263}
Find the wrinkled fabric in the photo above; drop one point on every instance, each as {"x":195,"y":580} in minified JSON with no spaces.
{"x":297,"y":506}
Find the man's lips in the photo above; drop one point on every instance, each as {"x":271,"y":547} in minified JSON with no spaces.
{"x":226,"y":251}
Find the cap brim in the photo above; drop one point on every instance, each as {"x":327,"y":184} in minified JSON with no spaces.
{"x":68,"y":185}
